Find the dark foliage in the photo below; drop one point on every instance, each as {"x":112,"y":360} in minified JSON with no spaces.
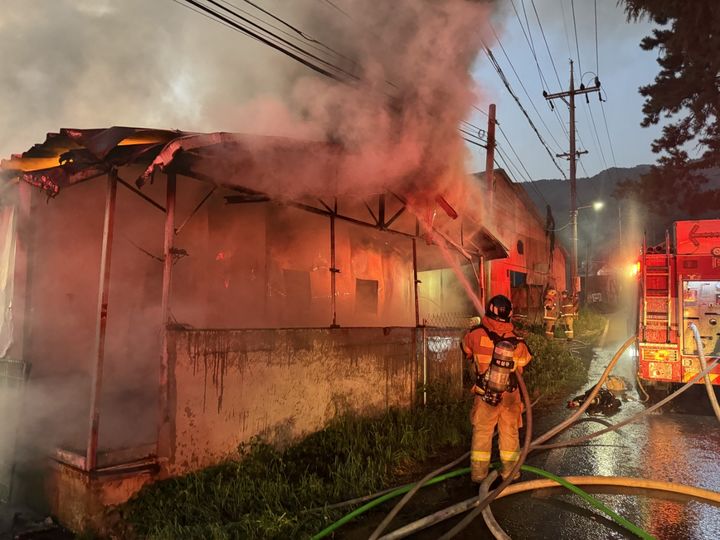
{"x":686,"y":92}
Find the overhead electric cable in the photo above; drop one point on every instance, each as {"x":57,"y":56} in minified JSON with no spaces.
{"x":547,"y":47}
{"x":577,"y":45}
{"x":504,"y":80}
{"x":529,"y":41}
{"x":478,"y":109}
{"x":265,"y":30}
{"x":522,"y":85}
{"x":311,"y":41}
{"x":565,"y":26}
{"x":268,"y":41}
{"x":517,"y":156}
{"x":607,"y":131}
{"x":597,"y":58}
{"x":597,"y":137}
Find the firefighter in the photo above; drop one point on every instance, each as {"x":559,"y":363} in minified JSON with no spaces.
{"x":496,"y":352}
{"x":550,"y":304}
{"x":568,"y":311}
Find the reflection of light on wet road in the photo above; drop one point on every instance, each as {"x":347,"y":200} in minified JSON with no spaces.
{"x":682,"y":448}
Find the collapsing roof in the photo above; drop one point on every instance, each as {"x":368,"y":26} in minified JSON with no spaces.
{"x":251,"y":165}
{"x":76,"y":155}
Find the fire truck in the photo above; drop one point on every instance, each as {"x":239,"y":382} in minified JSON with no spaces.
{"x":679,"y":285}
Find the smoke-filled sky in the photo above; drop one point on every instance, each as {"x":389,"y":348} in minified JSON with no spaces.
{"x":98,"y":63}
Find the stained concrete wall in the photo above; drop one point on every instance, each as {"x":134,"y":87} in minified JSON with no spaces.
{"x":230,"y":385}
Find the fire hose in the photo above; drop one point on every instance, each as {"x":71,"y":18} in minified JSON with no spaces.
{"x":552,"y":481}
{"x":633,"y":418}
{"x":537,"y":484}
{"x":703,"y":365}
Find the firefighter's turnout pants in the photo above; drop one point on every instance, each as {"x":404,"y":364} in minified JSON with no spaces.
{"x":484,"y":418}
{"x":549,"y":320}
{"x":568,"y":316}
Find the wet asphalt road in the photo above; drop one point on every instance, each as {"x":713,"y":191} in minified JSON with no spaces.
{"x":680,"y":443}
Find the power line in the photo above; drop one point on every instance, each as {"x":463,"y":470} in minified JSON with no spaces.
{"x":607,"y":131}
{"x":597,"y":137}
{"x":522,"y":85}
{"x":263,"y":29}
{"x":527,"y":176}
{"x":478,"y":109}
{"x":547,"y":47}
{"x":337,"y":8}
{"x":565,"y":26}
{"x":295,"y":29}
{"x":597,"y":60}
{"x":577,"y":45}
{"x":504,"y":80}
{"x":529,"y":41}
{"x":270,"y":41}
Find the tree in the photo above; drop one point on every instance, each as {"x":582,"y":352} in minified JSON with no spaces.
{"x":686,"y":93}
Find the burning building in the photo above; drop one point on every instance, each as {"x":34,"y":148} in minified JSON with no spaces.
{"x":173,"y":295}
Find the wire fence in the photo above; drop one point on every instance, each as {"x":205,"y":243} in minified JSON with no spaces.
{"x":442,"y":358}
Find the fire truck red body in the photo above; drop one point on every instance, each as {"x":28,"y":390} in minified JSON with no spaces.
{"x":679,"y":285}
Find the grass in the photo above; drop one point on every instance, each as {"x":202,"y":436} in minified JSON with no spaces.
{"x":266,"y":492}
{"x":590,"y":325}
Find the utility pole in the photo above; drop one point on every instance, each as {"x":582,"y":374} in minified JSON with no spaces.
{"x":572,"y":155}
{"x":490,"y":178}
{"x":490,"y":157}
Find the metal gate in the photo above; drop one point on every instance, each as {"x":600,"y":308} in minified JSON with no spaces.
{"x":13,"y":374}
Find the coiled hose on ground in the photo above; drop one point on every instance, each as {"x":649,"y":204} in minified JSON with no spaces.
{"x":552,"y":482}
{"x":554,"y":431}
{"x":515,"y":488}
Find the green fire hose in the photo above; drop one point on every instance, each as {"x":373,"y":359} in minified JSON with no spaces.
{"x":459,"y":472}
{"x":390,"y":495}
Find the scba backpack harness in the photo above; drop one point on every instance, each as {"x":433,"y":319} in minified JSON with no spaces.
{"x":500,"y":376}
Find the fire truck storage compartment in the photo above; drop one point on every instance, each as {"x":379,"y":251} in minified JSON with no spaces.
{"x":701,"y":305}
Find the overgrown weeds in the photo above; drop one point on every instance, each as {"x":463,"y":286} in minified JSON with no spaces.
{"x":589,"y":325}
{"x":266,"y":492}
{"x":553,"y":368}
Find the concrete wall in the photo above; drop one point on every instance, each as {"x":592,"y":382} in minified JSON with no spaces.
{"x":230,"y":385}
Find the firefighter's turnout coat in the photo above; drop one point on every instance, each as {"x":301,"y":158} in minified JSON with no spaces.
{"x":484,"y":417}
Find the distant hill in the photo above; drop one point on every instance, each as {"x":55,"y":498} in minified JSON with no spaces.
{"x":596,"y":188}
{"x":600,"y":231}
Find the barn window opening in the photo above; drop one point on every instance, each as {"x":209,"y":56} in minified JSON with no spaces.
{"x":366,"y":296}
{"x":517,"y":279}
{"x":520,"y":247}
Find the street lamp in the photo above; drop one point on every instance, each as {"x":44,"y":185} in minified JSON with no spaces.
{"x":597,"y":206}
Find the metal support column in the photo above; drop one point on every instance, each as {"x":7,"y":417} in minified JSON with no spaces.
{"x":333,"y":271}
{"x":168,"y":243}
{"x":101,"y":323}
{"x":415,"y":282}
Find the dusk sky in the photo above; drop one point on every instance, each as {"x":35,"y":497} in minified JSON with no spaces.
{"x":623,"y":67}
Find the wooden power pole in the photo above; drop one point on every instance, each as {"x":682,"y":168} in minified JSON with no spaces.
{"x":572,"y":155}
{"x":490,"y":157}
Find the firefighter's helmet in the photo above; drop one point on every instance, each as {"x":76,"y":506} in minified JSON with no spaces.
{"x":499,"y":307}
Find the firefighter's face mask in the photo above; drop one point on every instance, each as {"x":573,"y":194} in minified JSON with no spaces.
{"x":500,"y":313}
